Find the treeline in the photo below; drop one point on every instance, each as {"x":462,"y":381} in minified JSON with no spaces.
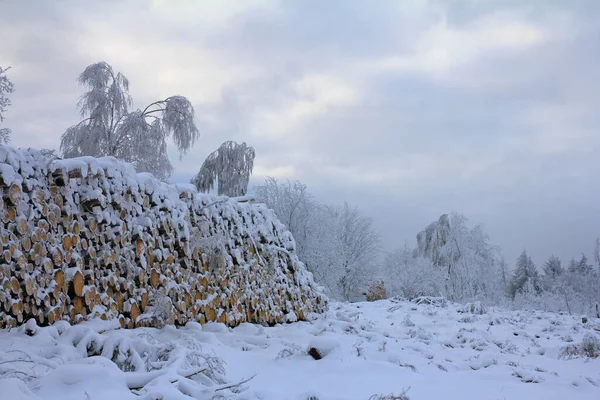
{"x":451,"y":259}
{"x":574,"y":288}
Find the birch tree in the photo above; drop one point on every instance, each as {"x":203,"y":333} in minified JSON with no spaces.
{"x":473,"y":267}
{"x":6,"y":87}
{"x":229,"y":168}
{"x":110,"y":128}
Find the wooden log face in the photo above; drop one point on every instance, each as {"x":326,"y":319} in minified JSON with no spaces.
{"x":69,"y":256}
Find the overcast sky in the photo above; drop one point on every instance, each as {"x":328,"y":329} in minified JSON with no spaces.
{"x":407,"y":109}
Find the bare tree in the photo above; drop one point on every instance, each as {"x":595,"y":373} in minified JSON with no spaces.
{"x":109,"y":128}
{"x":6,"y":87}
{"x":292,"y":204}
{"x":411,"y":277}
{"x":337,"y":243}
{"x":358,"y":249}
{"x":597,"y":253}
{"x":229,"y":167}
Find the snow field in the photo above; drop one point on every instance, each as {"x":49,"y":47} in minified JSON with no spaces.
{"x":368,"y":349}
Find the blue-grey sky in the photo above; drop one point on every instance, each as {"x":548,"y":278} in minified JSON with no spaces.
{"x":407,"y":109}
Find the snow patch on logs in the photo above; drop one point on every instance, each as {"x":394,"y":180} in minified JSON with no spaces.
{"x":89,"y":237}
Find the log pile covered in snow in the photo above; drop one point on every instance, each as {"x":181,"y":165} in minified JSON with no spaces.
{"x":89,"y":237}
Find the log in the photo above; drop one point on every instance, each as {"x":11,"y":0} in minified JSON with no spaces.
{"x":14,"y":285}
{"x":7,"y":256}
{"x":29,"y":285}
{"x":79,"y":305}
{"x":210,"y":314}
{"x":135,"y":312}
{"x":144,"y":300}
{"x":22,"y":225}
{"x":26,"y":244}
{"x":10,"y":215}
{"x":154,"y":278}
{"x":57,"y":256}
{"x":78,"y":284}
{"x":48,"y":265}
{"x":67,"y":242}
{"x":13,"y":194}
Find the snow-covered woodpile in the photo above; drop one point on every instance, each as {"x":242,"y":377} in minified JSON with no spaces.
{"x":89,"y":237}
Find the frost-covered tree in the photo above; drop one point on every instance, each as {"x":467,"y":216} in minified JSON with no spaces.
{"x":336,"y":243}
{"x":410,"y":277}
{"x":553,"y":268}
{"x":473,"y":267}
{"x":319,"y":249}
{"x":583,"y":282}
{"x":229,"y":168}
{"x":575,"y":290}
{"x":525,"y":273}
{"x":358,"y":249}
{"x":581,"y":267}
{"x":6,"y":87}
{"x":292,"y":204}
{"x":597,"y":253}
{"x":110,"y":128}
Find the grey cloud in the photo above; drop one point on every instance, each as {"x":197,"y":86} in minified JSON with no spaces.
{"x":411,"y":146}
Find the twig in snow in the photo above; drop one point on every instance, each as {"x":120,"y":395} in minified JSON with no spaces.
{"x":232,"y":385}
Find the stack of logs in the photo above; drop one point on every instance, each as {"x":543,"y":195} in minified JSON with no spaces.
{"x":89,"y":237}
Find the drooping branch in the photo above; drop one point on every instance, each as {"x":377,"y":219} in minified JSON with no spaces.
{"x":230,"y":165}
{"x":109,"y":128}
{"x":6,"y":87}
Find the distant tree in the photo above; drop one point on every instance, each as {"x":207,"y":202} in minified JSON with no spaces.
{"x":411,"y":277}
{"x":336,"y":243}
{"x":6,"y":87}
{"x":292,"y":204}
{"x":583,"y":282}
{"x":358,"y":247}
{"x":229,"y":168}
{"x":597,"y":253}
{"x":525,"y":274}
{"x":553,"y":268}
{"x":110,"y":128}
{"x":503,"y":275}
{"x":473,"y":266}
{"x":581,"y":267}
{"x":319,"y":248}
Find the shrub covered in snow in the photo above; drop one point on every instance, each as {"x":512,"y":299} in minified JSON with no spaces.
{"x":473,"y":308}
{"x":589,"y":347}
{"x":376,"y":291}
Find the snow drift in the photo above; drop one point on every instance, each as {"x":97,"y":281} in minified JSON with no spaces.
{"x":88,"y":237}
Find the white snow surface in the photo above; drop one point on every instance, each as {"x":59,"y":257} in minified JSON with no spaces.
{"x":381,"y":348}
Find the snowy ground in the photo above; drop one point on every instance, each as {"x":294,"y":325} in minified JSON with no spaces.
{"x":371,"y":348}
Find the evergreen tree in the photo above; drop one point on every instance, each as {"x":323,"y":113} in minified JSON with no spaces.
{"x":553,"y":268}
{"x":525,"y":273}
{"x":581,"y":267}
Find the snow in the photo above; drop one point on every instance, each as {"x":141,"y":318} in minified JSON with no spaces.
{"x":445,"y":352}
{"x":7,"y":174}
